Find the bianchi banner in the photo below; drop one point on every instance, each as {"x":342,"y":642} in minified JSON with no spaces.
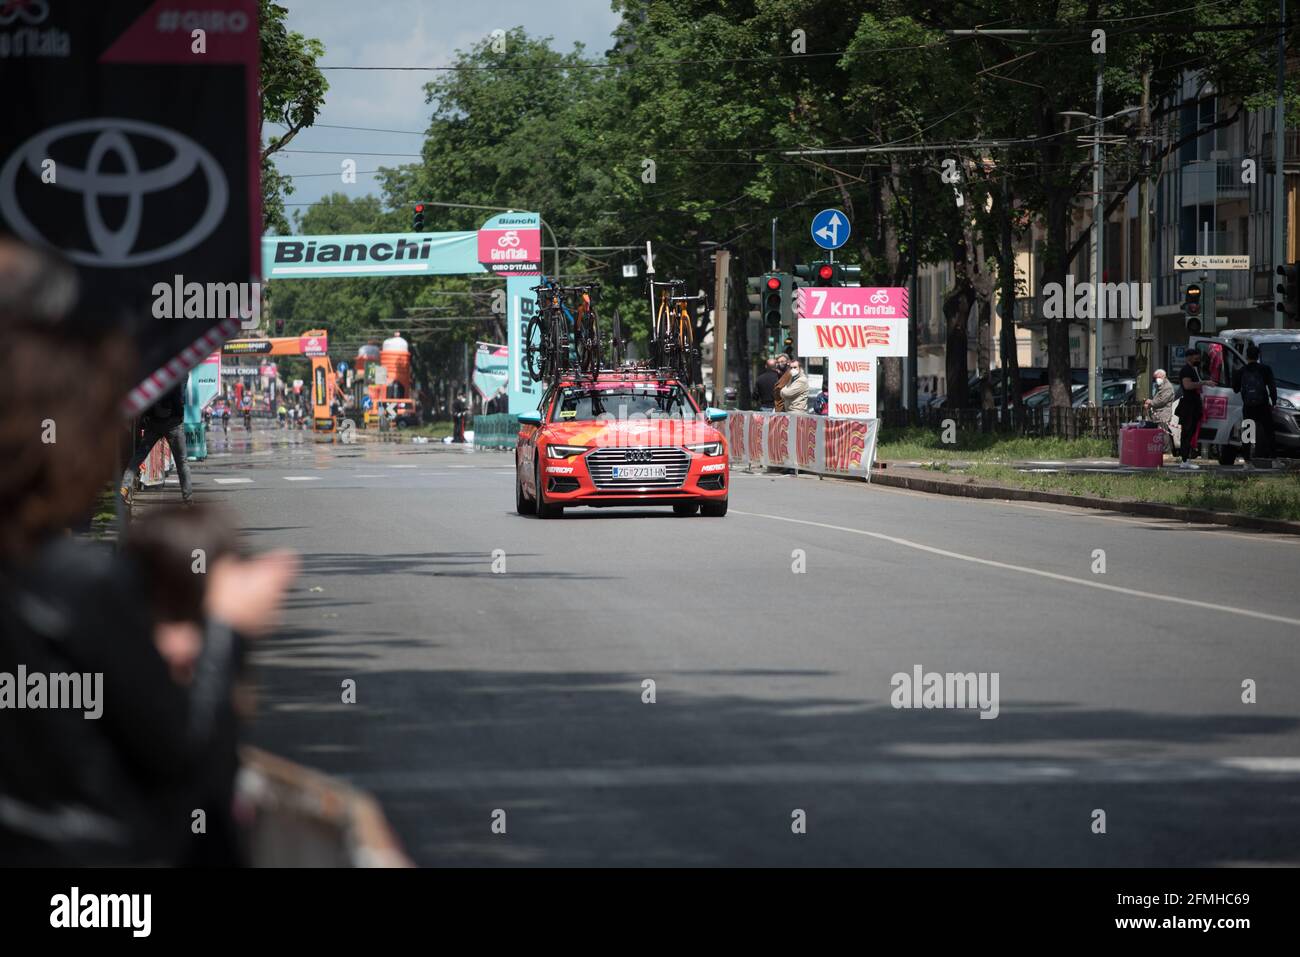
{"x":808,"y":443}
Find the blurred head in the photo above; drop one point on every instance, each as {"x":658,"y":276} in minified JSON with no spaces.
{"x":782,"y":361}
{"x":1252,"y":352}
{"x":1194,"y":358}
{"x":1160,"y":376}
{"x":174,"y":548}
{"x":60,"y":399}
{"x":771,"y":363}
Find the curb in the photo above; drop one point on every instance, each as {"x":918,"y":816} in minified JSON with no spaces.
{"x":1181,"y":513}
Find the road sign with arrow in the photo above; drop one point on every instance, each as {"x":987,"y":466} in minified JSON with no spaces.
{"x":830,"y":229}
{"x":1211,"y":262}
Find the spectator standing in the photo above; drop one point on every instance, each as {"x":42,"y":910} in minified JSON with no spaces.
{"x":783,"y":379}
{"x":1255,"y":383}
{"x":794,"y":394}
{"x":1190,"y":409}
{"x":764,"y":386}
{"x":162,"y":421}
{"x":1161,"y":406}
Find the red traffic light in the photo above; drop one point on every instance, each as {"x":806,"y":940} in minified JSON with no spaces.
{"x":826,"y":271}
{"x":419,"y":207}
{"x":773,"y":282}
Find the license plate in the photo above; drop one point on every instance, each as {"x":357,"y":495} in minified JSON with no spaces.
{"x":640,"y":471}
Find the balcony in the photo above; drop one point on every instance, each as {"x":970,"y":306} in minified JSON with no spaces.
{"x":1290,"y":152}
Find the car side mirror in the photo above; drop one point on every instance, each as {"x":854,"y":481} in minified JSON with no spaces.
{"x":715,"y":415}
{"x":530,"y":418}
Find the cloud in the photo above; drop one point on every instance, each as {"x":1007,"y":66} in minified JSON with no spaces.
{"x":405,"y":33}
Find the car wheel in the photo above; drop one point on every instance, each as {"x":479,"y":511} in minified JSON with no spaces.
{"x":524,"y":506}
{"x":544,"y":509}
{"x":715,"y":509}
{"x":685,"y":508}
{"x":1227,"y":454}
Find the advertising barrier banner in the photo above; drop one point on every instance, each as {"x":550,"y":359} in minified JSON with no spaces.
{"x":809,"y":443}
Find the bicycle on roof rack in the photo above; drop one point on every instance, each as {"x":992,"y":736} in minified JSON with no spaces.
{"x":672,"y":339}
{"x":565,"y":333}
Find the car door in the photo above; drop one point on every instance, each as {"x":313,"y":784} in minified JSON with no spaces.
{"x":526,"y":447}
{"x":1222,"y":406}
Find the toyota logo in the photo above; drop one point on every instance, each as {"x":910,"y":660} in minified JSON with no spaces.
{"x":637,"y":455}
{"x":115,"y":248}
{"x":29,"y":11}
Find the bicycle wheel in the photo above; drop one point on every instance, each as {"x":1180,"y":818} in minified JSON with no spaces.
{"x":535,"y":351}
{"x":616,"y":349}
{"x":561,"y":361}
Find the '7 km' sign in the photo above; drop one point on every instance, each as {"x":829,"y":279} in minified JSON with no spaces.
{"x":852,"y":327}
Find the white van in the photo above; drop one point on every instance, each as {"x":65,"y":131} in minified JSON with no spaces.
{"x":1221,"y":357}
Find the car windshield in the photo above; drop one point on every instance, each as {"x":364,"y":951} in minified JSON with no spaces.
{"x":586,"y":403}
{"x":1284,"y":359}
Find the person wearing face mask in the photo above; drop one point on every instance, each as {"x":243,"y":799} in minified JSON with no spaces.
{"x":1190,"y":409}
{"x":1161,"y":406}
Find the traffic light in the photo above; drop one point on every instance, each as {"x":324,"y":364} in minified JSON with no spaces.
{"x":1290,"y":290}
{"x":778,"y":299}
{"x":417,"y":222}
{"x":1192,"y":307}
{"x":828,"y":273}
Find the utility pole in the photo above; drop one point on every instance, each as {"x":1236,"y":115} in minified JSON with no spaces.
{"x":721,"y":285}
{"x":1145,"y":338}
{"x":913,"y":413}
{"x":1098,"y":239}
{"x":1008,"y":277}
{"x":1278,"y":217}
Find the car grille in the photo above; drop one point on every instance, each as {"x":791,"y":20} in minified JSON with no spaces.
{"x":600,"y":465}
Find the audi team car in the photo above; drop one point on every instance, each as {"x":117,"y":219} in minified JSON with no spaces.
{"x":630,"y":437}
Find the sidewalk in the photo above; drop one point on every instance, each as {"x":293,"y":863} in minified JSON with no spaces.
{"x":949,"y":478}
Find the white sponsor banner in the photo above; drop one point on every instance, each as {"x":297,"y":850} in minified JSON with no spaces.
{"x":852,"y":327}
{"x":809,"y":443}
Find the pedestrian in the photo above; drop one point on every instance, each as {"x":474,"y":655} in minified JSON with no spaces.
{"x":783,"y":379}
{"x":1190,"y":409}
{"x":821,"y":401}
{"x":764,"y":386}
{"x":1255,"y":383}
{"x":1161,"y":406}
{"x":458,"y":413}
{"x":794,"y":394}
{"x":164,"y":420}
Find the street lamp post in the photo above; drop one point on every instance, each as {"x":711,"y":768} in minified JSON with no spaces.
{"x":1096,"y":299}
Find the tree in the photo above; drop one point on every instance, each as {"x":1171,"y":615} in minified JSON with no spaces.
{"x":292,"y":92}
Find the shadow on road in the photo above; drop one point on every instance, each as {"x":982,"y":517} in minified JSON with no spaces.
{"x":588,"y":774}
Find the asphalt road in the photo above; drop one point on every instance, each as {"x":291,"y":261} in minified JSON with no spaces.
{"x":521,"y":688}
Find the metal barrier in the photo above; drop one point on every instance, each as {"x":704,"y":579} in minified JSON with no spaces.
{"x":496,"y":431}
{"x":805,"y":443}
{"x":298,"y":817}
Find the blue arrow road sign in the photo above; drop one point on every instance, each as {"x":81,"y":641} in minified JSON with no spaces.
{"x":830,"y":229}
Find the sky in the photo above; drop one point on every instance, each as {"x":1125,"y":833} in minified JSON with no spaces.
{"x":404,"y":33}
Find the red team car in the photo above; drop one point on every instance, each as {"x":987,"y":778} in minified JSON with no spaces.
{"x":628,"y":437}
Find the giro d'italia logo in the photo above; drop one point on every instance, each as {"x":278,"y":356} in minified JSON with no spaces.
{"x":111,"y":171}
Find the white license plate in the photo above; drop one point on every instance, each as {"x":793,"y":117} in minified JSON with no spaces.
{"x":640,"y":471}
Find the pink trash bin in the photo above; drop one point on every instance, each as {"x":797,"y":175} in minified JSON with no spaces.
{"x":1141,"y":447}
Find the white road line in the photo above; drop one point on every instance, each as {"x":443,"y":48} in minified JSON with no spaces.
{"x":368,"y":476}
{"x":992,"y":771}
{"x":1037,"y":572}
{"x":233,"y":481}
{"x":403,"y":466}
{"x":302,"y":478}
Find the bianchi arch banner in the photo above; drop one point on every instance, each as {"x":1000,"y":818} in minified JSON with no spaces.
{"x":508,"y":245}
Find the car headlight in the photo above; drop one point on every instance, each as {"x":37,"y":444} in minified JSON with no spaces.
{"x":1283,"y":403}
{"x":706,"y":448}
{"x":564,"y":451}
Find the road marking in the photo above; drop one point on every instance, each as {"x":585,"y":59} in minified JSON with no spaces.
{"x":234,"y":481}
{"x":368,"y":476}
{"x":302,"y":478}
{"x":1037,"y":572}
{"x":1120,"y":771}
{"x":403,"y":466}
